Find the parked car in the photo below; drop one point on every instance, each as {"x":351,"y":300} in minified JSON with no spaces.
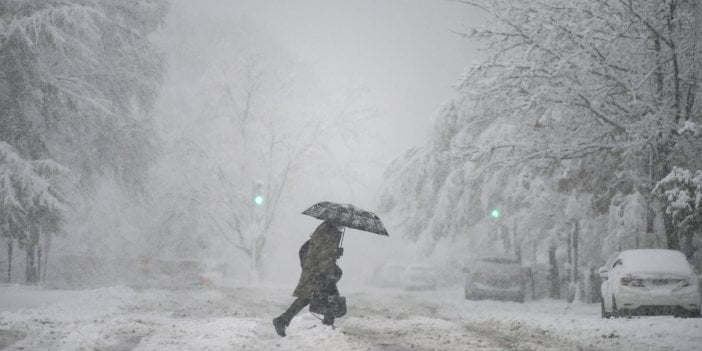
{"x":649,"y":282}
{"x":403,"y":276}
{"x":495,"y":278}
{"x":421,"y":277}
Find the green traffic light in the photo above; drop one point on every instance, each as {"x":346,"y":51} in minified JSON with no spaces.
{"x":258,"y":200}
{"x":495,"y":214}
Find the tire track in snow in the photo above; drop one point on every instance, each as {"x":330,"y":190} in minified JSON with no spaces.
{"x":418,"y":325}
{"x":521,"y":341}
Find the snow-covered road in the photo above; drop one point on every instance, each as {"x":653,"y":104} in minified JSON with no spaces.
{"x":122,"y":318}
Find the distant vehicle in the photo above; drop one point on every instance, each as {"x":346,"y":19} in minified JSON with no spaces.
{"x":408,"y":277}
{"x":495,"y":278}
{"x":421,"y":277}
{"x":649,"y":282}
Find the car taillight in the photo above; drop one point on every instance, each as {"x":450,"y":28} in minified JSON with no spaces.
{"x":630,"y":281}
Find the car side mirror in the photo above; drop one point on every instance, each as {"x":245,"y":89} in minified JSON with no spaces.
{"x":603,"y":272}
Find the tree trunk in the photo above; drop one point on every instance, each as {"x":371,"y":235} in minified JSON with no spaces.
{"x":517,"y":245}
{"x":568,"y":279}
{"x":661,"y":169}
{"x":555,"y":287}
{"x":38,"y":265}
{"x":9,"y":260}
{"x":574,"y":260}
{"x":33,"y":257}
{"x":47,"y":246}
{"x":659,"y":66}
{"x":671,"y":235}
{"x":31,"y":269}
{"x":676,"y":66}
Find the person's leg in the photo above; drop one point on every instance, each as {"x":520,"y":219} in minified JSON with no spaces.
{"x":296,"y":307}
{"x":281,"y":322}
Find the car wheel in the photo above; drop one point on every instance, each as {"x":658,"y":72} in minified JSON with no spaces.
{"x":604,"y":313}
{"x":682,"y":313}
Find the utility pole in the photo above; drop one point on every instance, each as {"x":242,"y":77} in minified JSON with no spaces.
{"x":496,"y":214}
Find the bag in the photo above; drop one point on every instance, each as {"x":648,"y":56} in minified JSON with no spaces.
{"x":304,"y":249}
{"x":328,"y":305}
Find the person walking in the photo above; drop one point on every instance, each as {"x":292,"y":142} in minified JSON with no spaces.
{"x":320,"y":273}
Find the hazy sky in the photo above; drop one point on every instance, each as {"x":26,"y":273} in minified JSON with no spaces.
{"x":401,"y":53}
{"x":403,"y":56}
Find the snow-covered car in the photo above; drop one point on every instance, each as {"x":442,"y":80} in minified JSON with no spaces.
{"x":421,"y":277}
{"x":404,"y":276}
{"x":494,"y":278}
{"x":649,"y":282}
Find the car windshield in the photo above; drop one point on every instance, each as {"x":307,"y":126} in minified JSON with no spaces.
{"x":394,"y":270}
{"x":421,"y":269}
{"x":489,"y":269}
{"x":503,"y":260}
{"x":655,"y":261}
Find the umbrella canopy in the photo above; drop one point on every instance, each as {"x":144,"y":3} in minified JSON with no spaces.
{"x":347,"y":215}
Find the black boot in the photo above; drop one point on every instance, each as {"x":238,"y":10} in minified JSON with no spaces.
{"x":328,"y":320}
{"x":280,"y":323}
{"x":284,"y":319}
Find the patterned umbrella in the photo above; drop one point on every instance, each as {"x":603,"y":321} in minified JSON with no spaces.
{"x":347,"y":215}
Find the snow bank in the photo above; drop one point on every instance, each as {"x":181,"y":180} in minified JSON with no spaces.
{"x":239,"y":318}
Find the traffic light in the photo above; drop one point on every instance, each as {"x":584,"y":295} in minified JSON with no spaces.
{"x":258,"y":198}
{"x":495,"y":213}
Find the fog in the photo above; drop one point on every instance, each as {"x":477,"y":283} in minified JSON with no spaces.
{"x":162,"y":163}
{"x":390,"y":64}
{"x":216,"y":102}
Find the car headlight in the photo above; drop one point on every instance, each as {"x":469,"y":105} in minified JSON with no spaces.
{"x":632,"y":281}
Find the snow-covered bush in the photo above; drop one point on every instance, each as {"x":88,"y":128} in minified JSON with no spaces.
{"x":681,"y":192}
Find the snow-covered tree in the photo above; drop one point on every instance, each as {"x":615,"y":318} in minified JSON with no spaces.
{"x":77,"y":79}
{"x":31,"y":207}
{"x":577,"y":105}
{"x":243,"y":119}
{"x":77,"y":82}
{"x":608,"y":82}
{"x":681,"y":192}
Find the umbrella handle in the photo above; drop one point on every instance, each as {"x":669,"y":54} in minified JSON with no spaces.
{"x":340,"y":249}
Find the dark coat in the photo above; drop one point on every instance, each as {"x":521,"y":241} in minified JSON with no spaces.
{"x":319,"y":269}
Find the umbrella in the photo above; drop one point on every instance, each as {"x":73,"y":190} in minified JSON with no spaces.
{"x":347,"y":215}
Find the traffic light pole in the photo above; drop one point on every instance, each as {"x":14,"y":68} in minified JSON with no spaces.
{"x":255,"y":229}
